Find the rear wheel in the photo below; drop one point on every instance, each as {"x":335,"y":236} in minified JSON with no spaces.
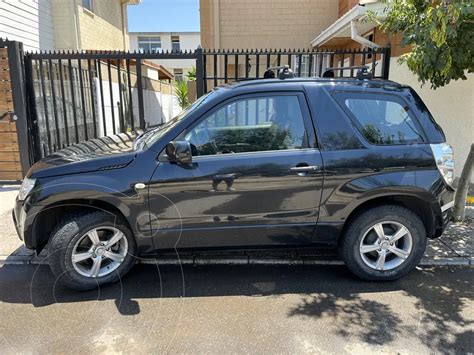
{"x":384,"y":243}
{"x":90,"y":250}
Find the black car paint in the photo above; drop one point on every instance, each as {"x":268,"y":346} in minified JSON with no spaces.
{"x":245,"y":199}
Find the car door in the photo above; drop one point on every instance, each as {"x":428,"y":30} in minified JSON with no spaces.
{"x":255,"y":179}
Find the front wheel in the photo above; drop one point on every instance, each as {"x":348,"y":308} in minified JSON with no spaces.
{"x":90,"y":250}
{"x":383,"y":243}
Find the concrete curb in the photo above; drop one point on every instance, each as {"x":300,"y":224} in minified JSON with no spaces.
{"x":243,"y":260}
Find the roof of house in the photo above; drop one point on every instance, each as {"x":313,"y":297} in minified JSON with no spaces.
{"x":163,"y":73}
{"x":341,"y":28}
{"x":161,"y":69}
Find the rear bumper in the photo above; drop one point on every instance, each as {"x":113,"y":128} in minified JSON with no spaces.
{"x":447,"y":207}
{"x":446,"y":217}
{"x":445,"y":212}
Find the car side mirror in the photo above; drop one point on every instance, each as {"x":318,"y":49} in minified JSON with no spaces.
{"x":179,"y":152}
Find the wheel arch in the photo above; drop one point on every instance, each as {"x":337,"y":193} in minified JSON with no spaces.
{"x":46,"y":220}
{"x":418,"y":203}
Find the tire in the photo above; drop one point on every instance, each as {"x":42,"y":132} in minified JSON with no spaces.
{"x":71,"y":237}
{"x":363,"y":235}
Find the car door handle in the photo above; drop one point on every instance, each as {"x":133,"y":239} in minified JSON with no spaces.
{"x":304,"y":169}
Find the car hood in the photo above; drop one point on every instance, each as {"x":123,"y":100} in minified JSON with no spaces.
{"x":106,"y":153}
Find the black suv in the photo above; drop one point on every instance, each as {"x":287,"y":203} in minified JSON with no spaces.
{"x":358,"y":165}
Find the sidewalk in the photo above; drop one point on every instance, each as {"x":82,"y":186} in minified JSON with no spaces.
{"x":455,"y":247}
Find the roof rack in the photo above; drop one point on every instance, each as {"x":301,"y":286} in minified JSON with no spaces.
{"x":363,"y":72}
{"x":284,"y":72}
{"x":388,"y":84}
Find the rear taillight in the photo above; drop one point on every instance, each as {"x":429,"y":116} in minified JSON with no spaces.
{"x":444,"y":157}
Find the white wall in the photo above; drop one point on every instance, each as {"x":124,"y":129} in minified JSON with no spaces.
{"x":158,"y":107}
{"x":27,"y":21}
{"x":452,"y":107}
{"x":188,"y":41}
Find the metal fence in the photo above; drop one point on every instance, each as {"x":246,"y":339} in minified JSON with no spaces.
{"x":74,"y":97}
{"x":224,"y":66}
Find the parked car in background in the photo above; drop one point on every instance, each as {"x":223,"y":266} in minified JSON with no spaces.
{"x":358,"y":165}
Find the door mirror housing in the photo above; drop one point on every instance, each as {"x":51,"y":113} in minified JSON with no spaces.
{"x":179,"y":152}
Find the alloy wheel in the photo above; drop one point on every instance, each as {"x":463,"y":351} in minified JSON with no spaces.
{"x":99,"y":252}
{"x":386,"y":245}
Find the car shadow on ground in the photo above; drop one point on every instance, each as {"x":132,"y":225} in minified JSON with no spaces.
{"x":439,"y":295}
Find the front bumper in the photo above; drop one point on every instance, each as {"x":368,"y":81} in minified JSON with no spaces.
{"x":23,"y":224}
{"x":18,"y":215}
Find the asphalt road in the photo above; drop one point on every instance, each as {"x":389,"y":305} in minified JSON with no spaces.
{"x":230,"y":309}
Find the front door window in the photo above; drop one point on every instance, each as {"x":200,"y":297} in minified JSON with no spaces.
{"x":251,"y":125}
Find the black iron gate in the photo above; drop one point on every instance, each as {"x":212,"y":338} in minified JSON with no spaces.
{"x":77,"y":96}
{"x":224,"y":66}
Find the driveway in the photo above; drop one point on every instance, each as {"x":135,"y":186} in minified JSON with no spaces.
{"x":239,"y":309}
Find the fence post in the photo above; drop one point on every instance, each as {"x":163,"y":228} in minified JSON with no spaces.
{"x":199,"y":72}
{"x":141,"y":109}
{"x":386,"y":63}
{"x":17,"y":75}
{"x":35,"y":144}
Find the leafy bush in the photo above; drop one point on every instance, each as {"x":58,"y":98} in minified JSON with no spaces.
{"x":181,"y":91}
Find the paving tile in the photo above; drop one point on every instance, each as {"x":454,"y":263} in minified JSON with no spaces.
{"x":436,"y":248}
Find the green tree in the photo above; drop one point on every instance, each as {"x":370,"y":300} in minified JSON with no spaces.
{"x":440,"y":34}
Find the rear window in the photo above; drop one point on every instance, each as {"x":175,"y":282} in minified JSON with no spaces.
{"x":381,"y":119}
{"x":432,"y":130}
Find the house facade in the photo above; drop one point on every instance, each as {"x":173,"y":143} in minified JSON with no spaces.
{"x":66,"y":24}
{"x":30,"y":22}
{"x":264,"y":23}
{"x":168,"y":41}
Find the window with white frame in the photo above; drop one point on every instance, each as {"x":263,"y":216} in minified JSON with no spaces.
{"x":178,"y":75}
{"x":175,"y":46}
{"x":149,"y":43}
{"x":87,"y":4}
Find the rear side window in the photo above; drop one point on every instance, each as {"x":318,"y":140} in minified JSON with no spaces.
{"x":382,"y":119}
{"x":432,"y":130}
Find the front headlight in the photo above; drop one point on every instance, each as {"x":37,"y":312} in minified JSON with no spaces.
{"x":26,"y":188}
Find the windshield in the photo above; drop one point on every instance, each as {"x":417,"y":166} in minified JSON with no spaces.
{"x":148,"y":138}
